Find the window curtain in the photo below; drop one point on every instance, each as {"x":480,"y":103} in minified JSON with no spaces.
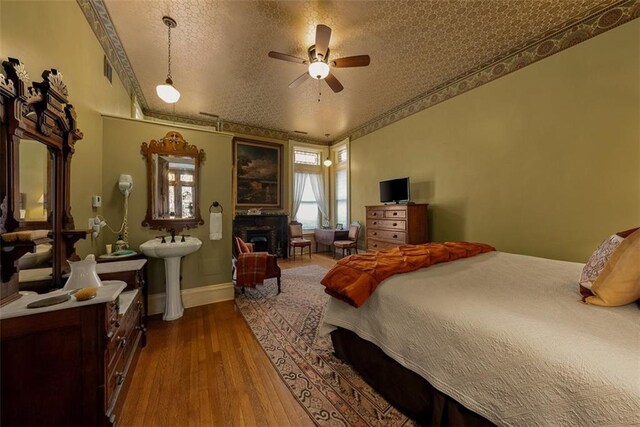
{"x":317,"y":185}
{"x":298,"y":188}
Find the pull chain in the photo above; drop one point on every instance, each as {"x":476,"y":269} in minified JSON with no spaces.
{"x":319,"y":89}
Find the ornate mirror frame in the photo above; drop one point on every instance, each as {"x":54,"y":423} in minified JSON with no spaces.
{"x":39,"y":112}
{"x":172,"y":144}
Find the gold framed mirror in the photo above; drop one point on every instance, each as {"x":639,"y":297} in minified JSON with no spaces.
{"x":173,"y":183}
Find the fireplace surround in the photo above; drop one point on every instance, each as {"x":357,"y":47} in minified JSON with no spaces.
{"x":268,"y":232}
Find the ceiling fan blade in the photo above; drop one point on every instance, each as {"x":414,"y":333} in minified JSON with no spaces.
{"x":285,"y":57}
{"x":352,"y":61}
{"x":333,"y":83}
{"x":297,"y":82}
{"x":323,"y":35}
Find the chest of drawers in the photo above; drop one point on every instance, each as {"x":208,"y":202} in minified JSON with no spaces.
{"x":73,"y":366}
{"x":394,"y":225}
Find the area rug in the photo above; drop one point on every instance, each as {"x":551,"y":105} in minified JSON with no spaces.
{"x":286,"y":326}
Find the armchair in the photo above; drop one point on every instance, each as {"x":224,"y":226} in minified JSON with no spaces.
{"x":251,"y":268}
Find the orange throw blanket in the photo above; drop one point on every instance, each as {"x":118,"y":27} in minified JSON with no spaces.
{"x":353,"y":279}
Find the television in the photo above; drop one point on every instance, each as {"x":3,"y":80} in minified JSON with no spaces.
{"x":394,"y":190}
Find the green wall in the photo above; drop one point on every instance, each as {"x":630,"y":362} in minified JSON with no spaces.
{"x":544,"y":161}
{"x":121,"y":155}
{"x":55,"y":34}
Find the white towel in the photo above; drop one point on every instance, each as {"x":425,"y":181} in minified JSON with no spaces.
{"x":215,"y":226}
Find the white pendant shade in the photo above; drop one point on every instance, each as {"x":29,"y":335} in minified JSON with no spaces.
{"x":318,"y":70}
{"x":168,"y":93}
{"x":328,"y":162}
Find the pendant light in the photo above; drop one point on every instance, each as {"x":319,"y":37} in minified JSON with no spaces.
{"x":167,"y":92}
{"x":327,"y":162}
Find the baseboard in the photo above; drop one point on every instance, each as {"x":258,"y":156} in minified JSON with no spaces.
{"x":194,"y":297}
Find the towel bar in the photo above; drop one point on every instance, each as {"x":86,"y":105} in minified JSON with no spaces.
{"x":216,"y":205}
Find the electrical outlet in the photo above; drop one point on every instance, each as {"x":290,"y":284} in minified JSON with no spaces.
{"x":90,"y":223}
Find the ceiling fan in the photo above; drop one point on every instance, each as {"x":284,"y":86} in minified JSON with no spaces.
{"x":319,"y":63}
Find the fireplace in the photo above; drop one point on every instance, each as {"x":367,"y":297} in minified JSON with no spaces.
{"x":268,"y":233}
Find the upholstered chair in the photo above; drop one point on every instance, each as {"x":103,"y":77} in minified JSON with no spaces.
{"x":296,"y":240}
{"x":352,"y":242}
{"x":251,"y":268}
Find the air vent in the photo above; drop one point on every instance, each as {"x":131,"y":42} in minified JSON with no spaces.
{"x":215,"y":116}
{"x":108,"y":71}
{"x":300,"y":132}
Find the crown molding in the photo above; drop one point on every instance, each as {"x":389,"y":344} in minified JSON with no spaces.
{"x":234,"y":128}
{"x":592,"y":23}
{"x":571,"y":33}
{"x":100,"y":22}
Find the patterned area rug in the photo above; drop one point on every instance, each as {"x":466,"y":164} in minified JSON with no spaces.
{"x":286,"y":326}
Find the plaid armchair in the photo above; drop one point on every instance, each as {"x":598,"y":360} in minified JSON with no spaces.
{"x":251,"y":268}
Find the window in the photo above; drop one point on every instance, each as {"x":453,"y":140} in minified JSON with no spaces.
{"x":308,"y":211}
{"x":308,"y":172}
{"x":341,"y":186}
{"x":342,"y":156}
{"x":341,"y":197}
{"x":306,"y":158}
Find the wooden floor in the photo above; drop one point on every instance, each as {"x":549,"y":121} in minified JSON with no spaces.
{"x":208,"y":369}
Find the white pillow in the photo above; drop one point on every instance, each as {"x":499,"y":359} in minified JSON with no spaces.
{"x":598,"y":260}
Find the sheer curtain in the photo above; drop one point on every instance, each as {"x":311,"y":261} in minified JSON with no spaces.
{"x":317,"y":185}
{"x":298,"y":189}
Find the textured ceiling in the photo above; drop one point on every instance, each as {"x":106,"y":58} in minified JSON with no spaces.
{"x":220,"y":62}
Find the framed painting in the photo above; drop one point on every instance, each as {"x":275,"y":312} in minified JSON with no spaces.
{"x":258,"y":174}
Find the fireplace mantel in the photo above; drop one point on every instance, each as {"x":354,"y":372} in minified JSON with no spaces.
{"x":273,"y":227}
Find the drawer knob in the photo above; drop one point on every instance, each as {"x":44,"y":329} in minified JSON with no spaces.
{"x":123,"y":342}
{"x":375,"y":222}
{"x":115,"y":323}
{"x":395,"y":236}
{"x":375,"y":233}
{"x":395,"y":213}
{"x":375,"y":214}
{"x":375,"y":245}
{"x":395,"y":224}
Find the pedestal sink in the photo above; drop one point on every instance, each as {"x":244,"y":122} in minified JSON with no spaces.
{"x":171,"y":253}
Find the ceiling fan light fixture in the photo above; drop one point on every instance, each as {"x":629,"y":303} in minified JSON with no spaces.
{"x":167,"y":92}
{"x":318,"y":70}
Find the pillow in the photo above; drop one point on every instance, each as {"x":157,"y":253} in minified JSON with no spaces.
{"x":243,"y":248}
{"x":619,"y":282}
{"x":597,"y":261}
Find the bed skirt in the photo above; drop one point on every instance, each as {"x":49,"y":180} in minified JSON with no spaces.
{"x":406,"y":390}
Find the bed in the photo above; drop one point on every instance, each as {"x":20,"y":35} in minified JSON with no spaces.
{"x":500,"y":339}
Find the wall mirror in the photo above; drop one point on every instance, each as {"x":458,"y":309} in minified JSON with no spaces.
{"x":173,"y":170}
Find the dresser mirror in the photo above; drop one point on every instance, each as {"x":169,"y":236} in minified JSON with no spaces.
{"x":38,"y":133}
{"x":173,"y":171}
{"x":34,"y":182}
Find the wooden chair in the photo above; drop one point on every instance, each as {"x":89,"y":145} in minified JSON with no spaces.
{"x":240,"y":248}
{"x":296,"y":240}
{"x":354,"y":231}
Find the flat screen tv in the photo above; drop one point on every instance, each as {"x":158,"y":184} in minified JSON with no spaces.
{"x":395,"y":190}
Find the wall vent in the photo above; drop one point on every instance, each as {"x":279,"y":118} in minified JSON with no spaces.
{"x":108,"y":71}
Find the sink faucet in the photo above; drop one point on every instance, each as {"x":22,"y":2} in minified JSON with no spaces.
{"x":173,"y":235}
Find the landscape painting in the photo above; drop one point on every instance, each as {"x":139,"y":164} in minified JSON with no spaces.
{"x":258,"y":174}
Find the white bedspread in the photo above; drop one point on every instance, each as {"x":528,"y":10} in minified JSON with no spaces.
{"x":505,"y":336}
